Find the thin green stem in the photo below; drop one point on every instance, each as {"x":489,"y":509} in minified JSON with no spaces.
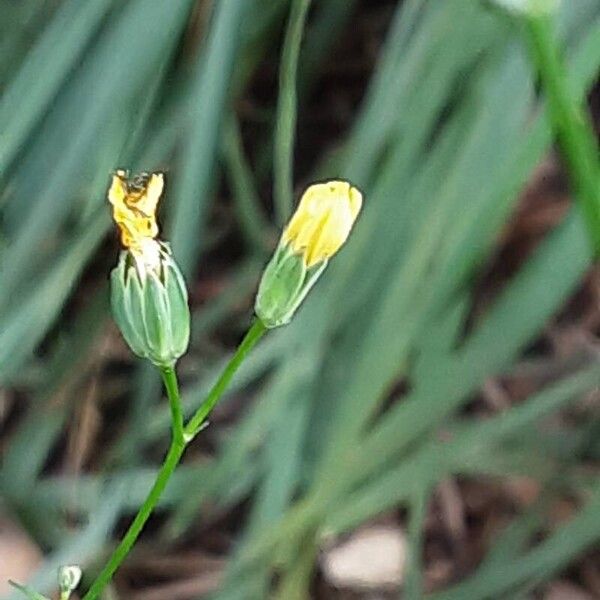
{"x":295,"y":582}
{"x":285,"y":124}
{"x":122,"y":550}
{"x":256,"y":331}
{"x":570,"y":123}
{"x":181,"y":436}
{"x":170,"y":381}
{"x":254,"y":223}
{"x":413,"y":585}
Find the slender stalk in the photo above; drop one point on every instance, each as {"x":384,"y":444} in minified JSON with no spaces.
{"x":170,"y":381}
{"x":256,"y":331}
{"x":253,"y":221}
{"x":181,"y":436}
{"x":570,"y":123}
{"x":295,"y":582}
{"x":122,"y":550}
{"x":285,"y":124}
{"x":413,"y":585}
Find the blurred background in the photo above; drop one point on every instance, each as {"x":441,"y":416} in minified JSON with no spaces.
{"x":428,"y":424}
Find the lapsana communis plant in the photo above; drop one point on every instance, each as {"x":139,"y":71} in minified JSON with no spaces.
{"x":149,"y":302}
{"x":150,"y":305}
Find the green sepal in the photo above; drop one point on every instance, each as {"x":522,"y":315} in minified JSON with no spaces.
{"x":133,"y":310}
{"x":310,"y":278}
{"x":179,"y":316}
{"x":120,"y":299}
{"x":284,"y":285}
{"x":156,"y":318}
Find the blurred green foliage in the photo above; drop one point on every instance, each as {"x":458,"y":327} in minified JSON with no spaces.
{"x":446,"y":136}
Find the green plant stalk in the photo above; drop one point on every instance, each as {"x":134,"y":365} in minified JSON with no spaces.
{"x":31,"y":594}
{"x":413,"y":585}
{"x":295,"y":582}
{"x":253,"y":221}
{"x":122,"y":550}
{"x":170,"y":382}
{"x":285,"y":122}
{"x":182,"y":435}
{"x":256,"y":331}
{"x":569,"y":121}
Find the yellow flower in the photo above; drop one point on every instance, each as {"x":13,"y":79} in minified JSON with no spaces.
{"x":318,"y":229}
{"x":149,"y":298}
{"x":134,"y":202}
{"x":322,"y":221}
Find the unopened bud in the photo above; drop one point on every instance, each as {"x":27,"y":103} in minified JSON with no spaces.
{"x":150,"y":306}
{"x":316,"y":231}
{"x":68,"y":579}
{"x":148,"y":294}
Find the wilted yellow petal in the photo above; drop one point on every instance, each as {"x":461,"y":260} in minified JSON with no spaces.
{"x":323,"y":220}
{"x":134,"y":202}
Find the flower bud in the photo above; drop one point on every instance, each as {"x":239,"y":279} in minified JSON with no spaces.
{"x":68,"y":580}
{"x":148,"y":293}
{"x":149,"y":304}
{"x":316,"y":231}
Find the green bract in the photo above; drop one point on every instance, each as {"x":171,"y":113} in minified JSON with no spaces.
{"x":285,"y":283}
{"x":150,"y":306}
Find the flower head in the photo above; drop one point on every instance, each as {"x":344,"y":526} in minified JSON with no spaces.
{"x":323,"y":220}
{"x":318,"y":229}
{"x":148,"y":294}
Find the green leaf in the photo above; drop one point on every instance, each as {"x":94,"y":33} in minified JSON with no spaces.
{"x":28,"y":592}
{"x":212,"y":77}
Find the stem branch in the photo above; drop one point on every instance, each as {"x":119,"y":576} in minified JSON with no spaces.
{"x":570,"y":123}
{"x":170,"y":381}
{"x":256,"y":331}
{"x":181,"y":436}
{"x":122,"y":550}
{"x":285,"y":121}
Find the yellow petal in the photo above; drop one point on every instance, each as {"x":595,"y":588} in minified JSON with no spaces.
{"x":323,"y":220}
{"x":135,"y":201}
